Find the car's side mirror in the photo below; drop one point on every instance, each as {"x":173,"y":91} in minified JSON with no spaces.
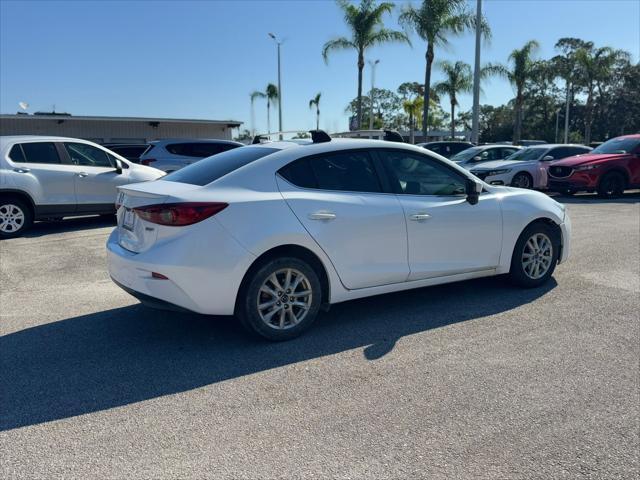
{"x":548,"y":158}
{"x":473,"y":191}
{"x":118,"y":166}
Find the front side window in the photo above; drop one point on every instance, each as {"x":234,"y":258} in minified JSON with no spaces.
{"x":41,"y":152}
{"x":412,"y":174}
{"x":87,"y":155}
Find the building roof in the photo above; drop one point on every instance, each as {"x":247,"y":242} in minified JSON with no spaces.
{"x":68,"y":118}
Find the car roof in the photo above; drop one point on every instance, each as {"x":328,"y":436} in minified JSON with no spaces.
{"x":554,"y":145}
{"x":164,"y":141}
{"x":10,"y":139}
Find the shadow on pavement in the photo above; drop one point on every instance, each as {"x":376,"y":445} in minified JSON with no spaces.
{"x":586,"y":198}
{"x":48,"y":227}
{"x":116,"y":357}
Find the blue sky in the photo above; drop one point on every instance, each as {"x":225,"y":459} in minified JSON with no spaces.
{"x":201,"y":59}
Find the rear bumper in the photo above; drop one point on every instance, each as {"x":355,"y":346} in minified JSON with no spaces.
{"x":204,"y":270}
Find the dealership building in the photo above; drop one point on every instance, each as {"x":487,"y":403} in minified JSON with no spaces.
{"x":114,"y":129}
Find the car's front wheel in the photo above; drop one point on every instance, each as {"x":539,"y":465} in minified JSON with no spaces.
{"x":612,"y":185}
{"x":280,"y":299}
{"x":535,"y":255}
{"x":522,"y":180}
{"x":15,"y":217}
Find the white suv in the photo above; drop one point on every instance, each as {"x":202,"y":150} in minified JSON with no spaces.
{"x":44,"y":177}
{"x":170,"y":155}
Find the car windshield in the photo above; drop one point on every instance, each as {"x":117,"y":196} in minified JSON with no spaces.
{"x":618,"y":145}
{"x":467,"y":154}
{"x":527,"y":154}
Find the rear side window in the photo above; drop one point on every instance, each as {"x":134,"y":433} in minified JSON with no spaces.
{"x":212,"y":168}
{"x":40,"y":152}
{"x":199,"y":149}
{"x":16,"y":154}
{"x":344,"y":171}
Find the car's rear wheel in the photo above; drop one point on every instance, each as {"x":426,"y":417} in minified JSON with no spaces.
{"x":522,"y":180}
{"x":15,"y":217}
{"x":535,"y":255}
{"x":280,"y":300}
{"x":611,"y":185}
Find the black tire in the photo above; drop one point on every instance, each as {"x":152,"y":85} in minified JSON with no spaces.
{"x":10,"y":218}
{"x":517,"y":273}
{"x":522,"y":180}
{"x":612,"y":185}
{"x":247,"y":304}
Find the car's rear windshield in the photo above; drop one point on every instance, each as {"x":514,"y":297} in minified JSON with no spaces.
{"x":212,"y":168}
{"x":618,"y":145}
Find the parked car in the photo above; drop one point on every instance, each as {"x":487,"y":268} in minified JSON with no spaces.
{"x":609,"y":169}
{"x":45,"y":177}
{"x":527,"y":167}
{"x":529,"y":143}
{"x":130,"y":151}
{"x":446,"y":149}
{"x":271,"y":232}
{"x":173,"y":154}
{"x":486,"y":153}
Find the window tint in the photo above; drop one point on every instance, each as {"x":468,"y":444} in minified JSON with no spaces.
{"x":420,"y":175}
{"x":198,"y":150}
{"x":16,"y":154}
{"x":41,"y":152}
{"x":212,"y":168}
{"x":348,"y":171}
{"x":87,"y":155}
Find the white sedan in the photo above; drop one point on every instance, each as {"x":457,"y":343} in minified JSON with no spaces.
{"x":526,"y":168}
{"x":272,"y":232}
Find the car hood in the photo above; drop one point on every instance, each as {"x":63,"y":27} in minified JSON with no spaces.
{"x":494,"y":164}
{"x":588,"y":158}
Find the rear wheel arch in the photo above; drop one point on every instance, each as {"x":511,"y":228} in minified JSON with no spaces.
{"x":295,"y":251}
{"x":19,"y":195}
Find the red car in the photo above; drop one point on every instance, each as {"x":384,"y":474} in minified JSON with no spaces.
{"x":609,"y":169}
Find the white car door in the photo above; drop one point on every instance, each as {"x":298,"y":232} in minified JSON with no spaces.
{"x":446,"y":234}
{"x":97,"y":178}
{"x":40,"y":169}
{"x":339,"y":200}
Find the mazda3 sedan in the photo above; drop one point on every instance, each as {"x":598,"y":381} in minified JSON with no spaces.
{"x":272,"y":232}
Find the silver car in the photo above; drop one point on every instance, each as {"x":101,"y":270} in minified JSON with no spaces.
{"x":170,"y":155}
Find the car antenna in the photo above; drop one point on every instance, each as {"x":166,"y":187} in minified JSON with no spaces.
{"x":319,"y":136}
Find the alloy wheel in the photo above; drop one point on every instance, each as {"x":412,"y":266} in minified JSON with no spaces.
{"x":537,"y":256}
{"x":284,"y":299}
{"x":11,"y":218}
{"x":522,"y":181}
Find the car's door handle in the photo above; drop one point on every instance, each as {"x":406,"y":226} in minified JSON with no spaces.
{"x":322,"y":216}
{"x":420,"y":216}
{"x":22,"y":170}
{"x":82,"y":174}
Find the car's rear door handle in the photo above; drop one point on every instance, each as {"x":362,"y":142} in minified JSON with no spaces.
{"x":420,"y":216}
{"x":22,"y":170}
{"x":322,"y":216}
{"x":82,"y":174}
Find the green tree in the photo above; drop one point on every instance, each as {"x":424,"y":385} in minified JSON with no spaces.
{"x":271,"y":94}
{"x":459,"y":79}
{"x":520,"y":70}
{"x":413,"y":108}
{"x":367,"y":29}
{"x":315,"y":102}
{"x":435,"y":21}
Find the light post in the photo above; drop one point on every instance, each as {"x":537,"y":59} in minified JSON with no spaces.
{"x":476,"y":78}
{"x":373,"y":79}
{"x":557,"y":123}
{"x":278,"y":43}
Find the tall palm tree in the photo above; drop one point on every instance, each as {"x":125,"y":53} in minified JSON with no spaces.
{"x":413,"y":107}
{"x":271,"y":94}
{"x":459,"y":79}
{"x":367,"y":30}
{"x":522,"y":69}
{"x":595,"y":66}
{"x":435,"y":21}
{"x":315,"y":101}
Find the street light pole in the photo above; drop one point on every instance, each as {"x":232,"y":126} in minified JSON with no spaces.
{"x":373,"y":79}
{"x":278,"y":43}
{"x":476,"y":78}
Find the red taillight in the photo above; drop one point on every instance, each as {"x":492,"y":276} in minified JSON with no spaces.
{"x":179,"y":214}
{"x":147,"y":161}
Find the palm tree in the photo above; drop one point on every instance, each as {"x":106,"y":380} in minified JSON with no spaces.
{"x":413,"y":108}
{"x":434,"y":21}
{"x":459,"y":79}
{"x":367,"y":30}
{"x":594,"y":67}
{"x":271,"y":94}
{"x":316,"y":101}
{"x":522,"y":69}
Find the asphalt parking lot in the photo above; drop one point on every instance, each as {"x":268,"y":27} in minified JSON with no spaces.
{"x":475,"y":379}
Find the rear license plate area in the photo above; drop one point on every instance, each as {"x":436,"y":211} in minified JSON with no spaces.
{"x":129,"y":219}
